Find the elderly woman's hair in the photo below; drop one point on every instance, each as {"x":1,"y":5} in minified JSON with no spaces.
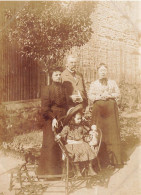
{"x":102,"y":64}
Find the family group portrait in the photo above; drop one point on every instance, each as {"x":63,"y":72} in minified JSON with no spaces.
{"x":70,"y":90}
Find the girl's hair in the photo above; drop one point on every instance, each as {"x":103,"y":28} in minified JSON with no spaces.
{"x":72,"y":121}
{"x":102,"y":64}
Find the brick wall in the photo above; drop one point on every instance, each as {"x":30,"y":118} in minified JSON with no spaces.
{"x":113,"y":42}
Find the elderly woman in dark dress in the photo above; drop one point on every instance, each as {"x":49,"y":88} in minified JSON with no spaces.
{"x":104,"y":94}
{"x":54,"y":106}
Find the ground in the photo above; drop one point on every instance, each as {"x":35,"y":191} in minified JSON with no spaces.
{"x":124,"y":181}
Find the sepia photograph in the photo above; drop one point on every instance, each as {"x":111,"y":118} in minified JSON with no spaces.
{"x":70,"y":97}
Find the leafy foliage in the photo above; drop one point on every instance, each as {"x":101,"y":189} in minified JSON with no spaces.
{"x":44,"y":31}
{"x":5,"y":126}
{"x":130,"y":130}
{"x":24,"y":142}
{"x":18,"y":122}
{"x":130,"y":96}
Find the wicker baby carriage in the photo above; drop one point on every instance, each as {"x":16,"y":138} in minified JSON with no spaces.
{"x":73,"y":183}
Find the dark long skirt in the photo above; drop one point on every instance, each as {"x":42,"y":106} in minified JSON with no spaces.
{"x":50,"y":159}
{"x":105,"y":116}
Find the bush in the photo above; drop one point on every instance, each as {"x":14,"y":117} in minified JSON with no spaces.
{"x":14,"y":122}
{"x":5,"y":133}
{"x":130,"y":96}
{"x":130,"y":130}
{"x":24,"y":143}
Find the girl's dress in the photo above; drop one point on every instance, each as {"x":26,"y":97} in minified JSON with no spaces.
{"x":77,"y":148}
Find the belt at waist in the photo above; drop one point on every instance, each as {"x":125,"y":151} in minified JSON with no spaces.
{"x":74,"y":142}
{"x":58,"y":108}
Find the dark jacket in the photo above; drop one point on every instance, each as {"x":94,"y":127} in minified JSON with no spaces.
{"x":53,"y":101}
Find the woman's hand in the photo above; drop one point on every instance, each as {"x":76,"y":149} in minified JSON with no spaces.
{"x":105,"y":95}
{"x":57,"y":137}
{"x":54,"y":123}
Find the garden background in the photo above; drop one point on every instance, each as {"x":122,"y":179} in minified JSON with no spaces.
{"x":99,"y":32}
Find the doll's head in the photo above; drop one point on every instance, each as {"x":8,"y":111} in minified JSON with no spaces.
{"x":94,"y":128}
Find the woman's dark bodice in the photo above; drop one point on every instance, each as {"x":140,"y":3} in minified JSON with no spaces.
{"x":54,"y":103}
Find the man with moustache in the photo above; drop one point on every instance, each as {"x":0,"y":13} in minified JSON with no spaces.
{"x":74,"y":84}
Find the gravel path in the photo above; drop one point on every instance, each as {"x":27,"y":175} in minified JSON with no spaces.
{"x":126,"y":181}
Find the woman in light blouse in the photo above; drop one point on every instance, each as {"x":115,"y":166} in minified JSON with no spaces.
{"x":104,"y":94}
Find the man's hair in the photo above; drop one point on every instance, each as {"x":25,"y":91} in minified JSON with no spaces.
{"x":68,"y":57}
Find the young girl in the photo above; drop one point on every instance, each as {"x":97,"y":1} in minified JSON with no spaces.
{"x":77,"y":148}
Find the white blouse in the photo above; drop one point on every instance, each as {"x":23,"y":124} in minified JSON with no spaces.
{"x":97,"y":90}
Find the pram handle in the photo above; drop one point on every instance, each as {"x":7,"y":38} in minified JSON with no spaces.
{"x":62,"y":147}
{"x":100,"y":140}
